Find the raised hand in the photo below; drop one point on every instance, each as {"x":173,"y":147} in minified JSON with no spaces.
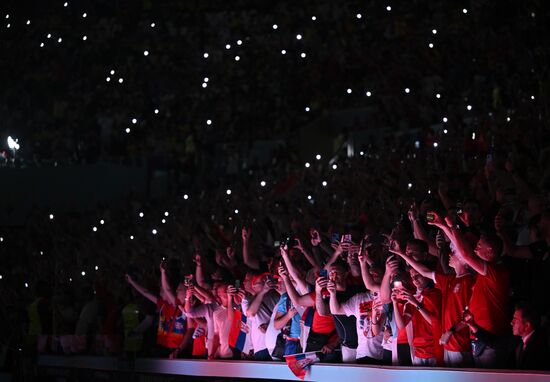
{"x":315,"y":237}
{"x":245,"y":233}
{"x":320,"y":284}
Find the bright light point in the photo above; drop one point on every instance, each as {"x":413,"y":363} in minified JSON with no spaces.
{"x":313,"y":18}
{"x":228,"y":191}
{"x":1,"y":239}
{"x":283,"y":51}
{"x":473,"y":136}
{"x":237,"y":58}
{"x":307,"y":165}
{"x":51,"y":216}
{"x":49,"y":35}
{"x":532,"y":97}
{"x":83,"y":273}
{"x":407,"y":90}
{"x":434,"y":31}
{"x":309,"y":197}
{"x":445,"y":131}
{"x":156,"y":111}
{"x":7,"y":16}
{"x":275,"y":26}
{"x":307,"y":108}
{"x":94,"y":229}
{"x":318,"y":156}
{"x":166,"y":213}
{"x":205,"y":55}
{"x":128,"y":130}
{"x":361,"y":153}
{"x":368,"y":93}
{"x":436,"y":144}
{"x":134,"y":121}
{"x":358,"y":15}
{"x":154,"y":231}
{"x":65,"y":4}
{"x":445,"y":119}
{"x":262,"y":183}
{"x":239,"y":42}
{"x":236,"y":211}
{"x":208,"y":121}
{"x":464,"y":11}
{"x":388,"y":8}
{"x":438,"y":95}
{"x":41,"y":253}
{"x":120,"y":80}
{"x":96,"y":268}
{"x":206,"y":79}
{"x":227,"y":46}
{"x":324,"y":183}
{"x":303,"y":55}
{"x":348,"y":91}
{"x":141,"y":214}
{"x":430,"y":45}
{"x":204,"y":84}
{"x":163,"y":221}
{"x":102,"y":221}
{"x":59,"y":40}
{"x":131,"y":237}
{"x":507,"y":119}
{"x":112,"y":72}
{"x":1,"y":277}
{"x":84,"y":15}
{"x":41,"y":44}
{"x":469,"y":107}
{"x":153,"y":25}
{"x":298,"y":37}
{"x":9,"y":25}
{"x":84,"y":38}
{"x":26,"y":285}
{"x":146,"y":53}
{"x":185,"y":196}
{"x":28,"y":22}
{"x":409,"y":186}
{"x":335,"y":166}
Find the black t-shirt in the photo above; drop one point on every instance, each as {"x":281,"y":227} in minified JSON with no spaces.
{"x":346,"y":326}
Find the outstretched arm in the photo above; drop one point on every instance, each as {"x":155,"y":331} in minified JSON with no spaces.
{"x":141,"y":290}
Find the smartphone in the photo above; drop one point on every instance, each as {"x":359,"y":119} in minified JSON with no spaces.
{"x":430,"y":216}
{"x":323,"y":273}
{"x":397,"y":284}
{"x":237,"y":284}
{"x":346,"y":238}
{"x":335,"y":238}
{"x":276,"y":244}
{"x":459,"y":209}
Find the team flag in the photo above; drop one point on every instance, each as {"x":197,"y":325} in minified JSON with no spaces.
{"x":300,"y":364}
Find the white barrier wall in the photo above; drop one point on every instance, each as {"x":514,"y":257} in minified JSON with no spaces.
{"x":280,"y":371}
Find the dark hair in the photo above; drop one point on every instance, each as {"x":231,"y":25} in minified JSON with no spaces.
{"x":421,"y":244}
{"x":529,"y":313}
{"x":494,"y":242}
{"x":341,"y":264}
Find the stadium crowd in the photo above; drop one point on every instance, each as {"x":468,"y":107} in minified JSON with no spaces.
{"x":428,"y":250}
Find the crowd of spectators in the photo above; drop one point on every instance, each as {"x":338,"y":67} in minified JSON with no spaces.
{"x":424,"y":251}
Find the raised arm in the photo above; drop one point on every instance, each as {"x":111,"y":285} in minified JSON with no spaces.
{"x":165,"y":285}
{"x":309,"y":257}
{"x":335,"y":306}
{"x":199,"y":271}
{"x":419,"y":267}
{"x":368,"y":280}
{"x":256,"y":301}
{"x":141,"y":290}
{"x":249,"y":260}
{"x":295,"y":297}
{"x":300,"y":282}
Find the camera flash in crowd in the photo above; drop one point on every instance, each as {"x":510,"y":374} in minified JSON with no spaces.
{"x":131,"y":237}
{"x":227,"y":46}
{"x":128,"y":130}
{"x":156,"y":111}
{"x":102,"y":222}
{"x":65,"y":4}
{"x":1,"y":239}
{"x":303,"y":55}
{"x":163,"y":221}
{"x":84,"y":38}
{"x":436,"y":144}
{"x":134,"y":121}
{"x":388,"y":8}
{"x":96,"y":268}
{"x":348,"y":91}
{"x":262,"y":183}
{"x":141,"y":214}
{"x":59,"y":40}
{"x":41,"y":253}
{"x":416,"y":144}
{"x":166,"y":213}
{"x":49,"y":35}
{"x":228,"y":191}
{"x":298,"y":37}
{"x":335,"y":166}
{"x":275,"y":26}
{"x":84,"y":15}
{"x":239,"y":42}
{"x":28,"y":22}
{"x":358,"y":16}
{"x":445,"y":120}
{"x":237,"y":58}
{"x":430,"y":45}
{"x":532,"y":97}
{"x":507,"y":119}
{"x":145,"y":53}
{"x":153,"y":25}
{"x":205,"y":55}
{"x":26,"y":285}
{"x":154,"y":231}
{"x":445,"y":131}
{"x":324,"y":183}
{"x":51,"y":216}
{"x":473,"y":135}
{"x":407,"y":90}
{"x":307,"y":108}
{"x":409,"y":186}
{"x":434,"y":31}
{"x":318,"y":156}
{"x":112,"y":72}
{"x":313,"y":18}
{"x":236,"y":211}
{"x":469,"y":107}
{"x":438,"y":95}
{"x":368,"y":93}
{"x":204,"y":85}
{"x":185,"y":196}
{"x":120,"y":80}
{"x":283,"y":51}
{"x":83,"y":273}
{"x":464,"y":11}
{"x":1,"y":277}
{"x":208,"y":122}
{"x":307,"y":165}
{"x":94,"y":228}
{"x":309,"y":197}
